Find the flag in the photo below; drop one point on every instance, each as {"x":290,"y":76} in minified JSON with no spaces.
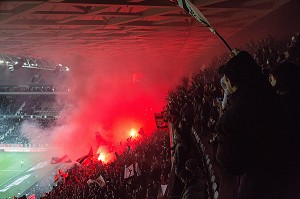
{"x":165,"y":115}
{"x":193,"y":11}
{"x":163,"y":188}
{"x":137,"y":169}
{"x":90,"y":181}
{"x":64,"y":159}
{"x":56,"y":177}
{"x":86,"y":159}
{"x":100,"y":181}
{"x":65,"y":175}
{"x":162,"y":192}
{"x":160,"y":121}
{"x":128,"y":172}
{"x":31,"y":196}
{"x":60,"y":174}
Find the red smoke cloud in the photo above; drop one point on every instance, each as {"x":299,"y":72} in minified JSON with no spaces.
{"x":115,"y":90}
{"x":118,"y":90}
{"x":104,"y":105}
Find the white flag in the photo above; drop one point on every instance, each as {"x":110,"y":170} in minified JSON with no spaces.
{"x":137,"y":169}
{"x":90,"y":181}
{"x":100,"y":181}
{"x":163,"y":188}
{"x":128,"y":171}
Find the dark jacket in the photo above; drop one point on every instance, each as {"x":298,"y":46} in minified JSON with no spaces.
{"x":290,"y":114}
{"x":247,"y":139}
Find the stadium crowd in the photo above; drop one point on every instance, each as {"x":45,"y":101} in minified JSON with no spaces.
{"x":248,"y":107}
{"x":10,"y":132}
{"x":151,"y":156}
{"x":9,"y":104}
{"x":30,"y":105}
{"x":245,"y":106}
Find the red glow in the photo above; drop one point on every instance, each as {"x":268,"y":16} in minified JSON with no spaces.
{"x":104,"y":155}
{"x":133,"y":133}
{"x":103,"y":106}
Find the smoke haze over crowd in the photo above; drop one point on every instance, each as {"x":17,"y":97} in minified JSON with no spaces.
{"x":108,"y":100}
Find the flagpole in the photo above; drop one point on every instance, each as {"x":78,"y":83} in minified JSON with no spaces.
{"x":223,"y":40}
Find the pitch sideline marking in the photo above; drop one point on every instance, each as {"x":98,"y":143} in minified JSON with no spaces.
{"x":16,"y":182}
{"x":15,"y":176}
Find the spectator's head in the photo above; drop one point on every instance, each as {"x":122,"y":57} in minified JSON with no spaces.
{"x":240,"y":70}
{"x":273,"y":72}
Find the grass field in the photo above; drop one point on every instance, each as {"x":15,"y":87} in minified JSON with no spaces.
{"x":16,"y":178}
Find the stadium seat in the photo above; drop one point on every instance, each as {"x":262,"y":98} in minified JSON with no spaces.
{"x":213,"y":178}
{"x":216,"y":195}
{"x":208,"y":161}
{"x":214,"y":187}
{"x":206,"y":157}
{"x":210,"y":167}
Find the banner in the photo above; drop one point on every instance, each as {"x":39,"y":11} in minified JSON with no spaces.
{"x":64,"y":159}
{"x":161,"y":121}
{"x":100,"y":181}
{"x":128,"y":171}
{"x":86,"y":159}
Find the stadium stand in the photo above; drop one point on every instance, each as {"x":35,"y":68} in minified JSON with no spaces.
{"x":193,"y":108}
{"x":198,"y":102}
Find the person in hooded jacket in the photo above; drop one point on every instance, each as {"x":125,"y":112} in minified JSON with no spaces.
{"x":248,"y":134}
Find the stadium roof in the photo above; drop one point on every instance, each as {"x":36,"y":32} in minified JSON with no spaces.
{"x":57,"y":29}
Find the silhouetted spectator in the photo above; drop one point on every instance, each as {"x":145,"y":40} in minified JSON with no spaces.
{"x":246,"y":129}
{"x":288,"y":87}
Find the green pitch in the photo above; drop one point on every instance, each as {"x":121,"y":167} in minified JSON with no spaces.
{"x":15,"y":177}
